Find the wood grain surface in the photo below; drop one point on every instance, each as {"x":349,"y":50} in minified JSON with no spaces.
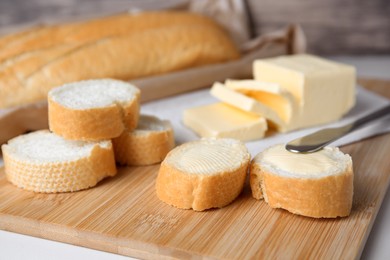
{"x":123,"y":215}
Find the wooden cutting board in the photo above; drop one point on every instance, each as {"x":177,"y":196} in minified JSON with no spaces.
{"x":123,"y":215}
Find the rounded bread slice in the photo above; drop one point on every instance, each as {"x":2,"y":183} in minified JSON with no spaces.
{"x":93,"y":109}
{"x":204,"y":174}
{"x":45,"y":162}
{"x":148,"y":144}
{"x":318,"y":185}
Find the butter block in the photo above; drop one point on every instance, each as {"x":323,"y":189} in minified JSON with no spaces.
{"x":224,"y":121}
{"x":248,"y":104}
{"x":324,"y":90}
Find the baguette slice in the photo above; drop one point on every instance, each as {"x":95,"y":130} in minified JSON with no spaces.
{"x":93,"y":109}
{"x":204,"y":174}
{"x":318,"y":185}
{"x":148,"y":144}
{"x":44,"y":162}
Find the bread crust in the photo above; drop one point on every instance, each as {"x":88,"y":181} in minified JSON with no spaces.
{"x":13,"y":73}
{"x":199,"y":192}
{"x":91,"y":30}
{"x":115,"y":47}
{"x":326,"y":197}
{"x":66,"y":176}
{"x":95,"y":123}
{"x":143,"y":149}
{"x":129,"y":56}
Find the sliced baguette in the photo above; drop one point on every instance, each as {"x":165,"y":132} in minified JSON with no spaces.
{"x":93,"y":109}
{"x":318,"y":185}
{"x":148,"y":144}
{"x":204,"y":174}
{"x":44,"y":162}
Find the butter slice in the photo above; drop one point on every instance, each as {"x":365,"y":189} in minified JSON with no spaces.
{"x":247,"y":104}
{"x":324,"y":90}
{"x":224,"y":121}
{"x":269,"y":94}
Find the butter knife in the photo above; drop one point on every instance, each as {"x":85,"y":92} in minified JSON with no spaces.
{"x":317,"y":140}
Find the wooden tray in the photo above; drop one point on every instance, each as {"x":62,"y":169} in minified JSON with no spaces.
{"x":123,"y":215}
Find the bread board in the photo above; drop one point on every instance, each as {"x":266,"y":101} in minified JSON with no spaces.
{"x":123,"y":215}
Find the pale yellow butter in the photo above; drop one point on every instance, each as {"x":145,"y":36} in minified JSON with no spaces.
{"x":245,"y":103}
{"x":269,"y":94}
{"x":291,"y":92}
{"x":224,"y":121}
{"x":324,"y":90}
{"x":324,"y":162}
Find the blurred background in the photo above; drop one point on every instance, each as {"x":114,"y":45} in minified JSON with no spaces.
{"x":332,"y":27}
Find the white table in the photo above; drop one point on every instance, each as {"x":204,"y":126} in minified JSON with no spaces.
{"x":16,"y":246}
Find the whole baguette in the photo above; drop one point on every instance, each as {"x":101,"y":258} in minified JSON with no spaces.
{"x":128,"y":57}
{"x":15,"y":70}
{"x":7,"y":40}
{"x":114,"y":47}
{"x":92,"y":30}
{"x":80,"y":33}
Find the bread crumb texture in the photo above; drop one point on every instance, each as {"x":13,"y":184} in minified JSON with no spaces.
{"x":93,"y":110}
{"x":44,"y":162}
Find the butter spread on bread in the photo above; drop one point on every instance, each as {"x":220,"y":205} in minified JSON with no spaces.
{"x":318,"y":185}
{"x":45,"y":162}
{"x":204,"y":174}
{"x":93,"y":109}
